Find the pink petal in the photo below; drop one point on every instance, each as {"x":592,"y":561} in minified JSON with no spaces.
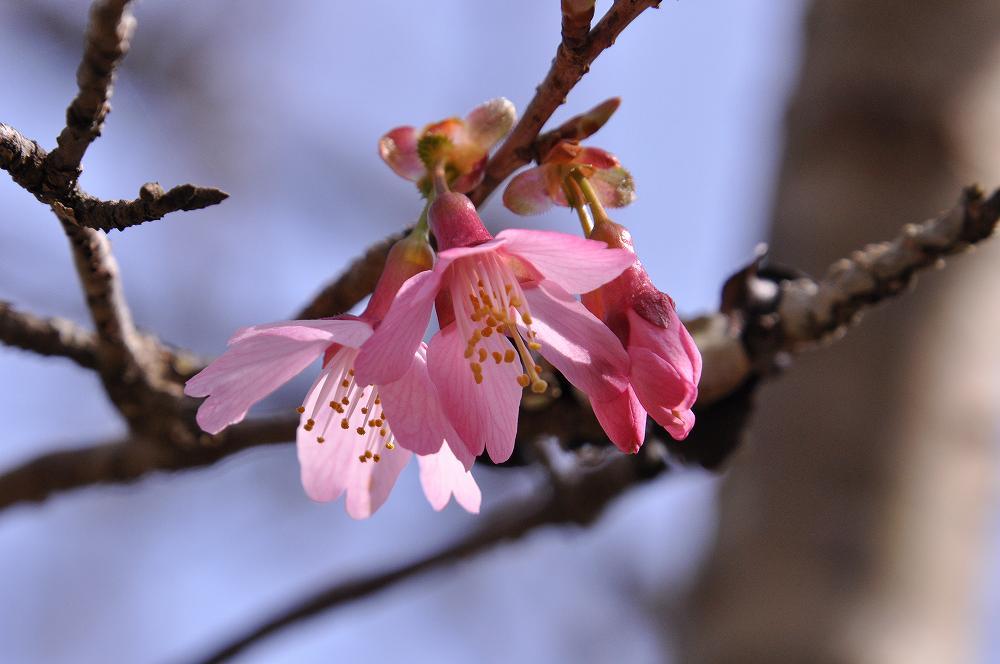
{"x":443,"y":475}
{"x":327,"y":468}
{"x":251,"y":369}
{"x":576,"y":342}
{"x":663,"y":392}
{"x":489,"y":122}
{"x":412,"y":408}
{"x":614,"y":186}
{"x":673,"y":343}
{"x":346,"y":330}
{"x":370,"y":486}
{"x":527,"y":193}
{"x":624,"y":420}
{"x":387,"y":355}
{"x":578,"y":265}
{"x":484,"y":415}
{"x":596,"y":157}
{"x":398,"y":149}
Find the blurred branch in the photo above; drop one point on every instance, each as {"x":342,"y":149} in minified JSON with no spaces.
{"x":568,"y":67}
{"x":128,"y":459}
{"x":584,"y":490}
{"x":47,"y":336}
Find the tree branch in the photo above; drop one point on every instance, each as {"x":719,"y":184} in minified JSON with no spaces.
{"x":126,"y":460}
{"x":108,"y":33}
{"x":567,"y":69}
{"x":47,"y":336}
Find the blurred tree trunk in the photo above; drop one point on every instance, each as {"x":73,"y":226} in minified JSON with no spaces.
{"x":854,"y":525}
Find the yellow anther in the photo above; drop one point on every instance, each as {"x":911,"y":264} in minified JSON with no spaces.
{"x":509,"y":356}
{"x":345,"y":383}
{"x":534,"y":345}
{"x":516,"y":302}
{"x":320,"y":439}
{"x":476,"y":367}
{"x":507,"y":287}
{"x":376,"y":458}
{"x":368,"y":454}
{"x":390,"y":446}
{"x":526,"y":317}
{"x":364,"y":410}
{"x":300,"y":410}
{"x":382,"y":432}
{"x":344,"y":424}
{"x":310,"y":423}
{"x":361,"y":431}
{"x":497,"y":357}
{"x":377,"y":401}
{"x":482,"y":354}
{"x":350,"y":372}
{"x":479,"y":378}
{"x":487,"y":331}
{"x":523,"y":380}
{"x":490,"y":320}
{"x":539,"y":386}
{"x":345,"y":401}
{"x":362,"y":458}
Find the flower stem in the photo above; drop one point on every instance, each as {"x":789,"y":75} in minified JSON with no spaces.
{"x":421,"y":229}
{"x":596,"y":208}
{"x":575,"y":199}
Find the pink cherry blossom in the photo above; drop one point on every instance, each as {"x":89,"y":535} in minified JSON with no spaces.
{"x":460,"y":146}
{"x":665,"y":364}
{"x":345,"y":441}
{"x":535,"y":190}
{"x":499,"y":301}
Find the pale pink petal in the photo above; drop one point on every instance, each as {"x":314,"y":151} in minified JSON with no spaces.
{"x":579,"y":345}
{"x":442,"y":475}
{"x":487,"y":123}
{"x":484,"y":415}
{"x":346,"y":331}
{"x":387,"y":355}
{"x":327,"y":468}
{"x":664,"y":393}
{"x":614,"y":187}
{"x":578,"y":265}
{"x":596,"y":157}
{"x":398,"y":149}
{"x":412,"y":408}
{"x":370,"y":486}
{"x":251,"y":369}
{"x":624,"y":420}
{"x":527,"y":193}
{"x":673,"y":343}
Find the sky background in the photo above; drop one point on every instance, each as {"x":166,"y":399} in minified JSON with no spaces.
{"x":281,"y":104}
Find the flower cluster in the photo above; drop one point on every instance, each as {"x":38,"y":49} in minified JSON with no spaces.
{"x":383,"y":395}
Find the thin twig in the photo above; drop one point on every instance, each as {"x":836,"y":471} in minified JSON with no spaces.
{"x":47,"y":336}
{"x":567,"y":69}
{"x":108,"y":33}
{"x":580,"y":499}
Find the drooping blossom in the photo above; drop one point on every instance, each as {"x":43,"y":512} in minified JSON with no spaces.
{"x":345,"y":440}
{"x":459,"y":146}
{"x":535,"y":190}
{"x":499,"y":301}
{"x":665,"y":364}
